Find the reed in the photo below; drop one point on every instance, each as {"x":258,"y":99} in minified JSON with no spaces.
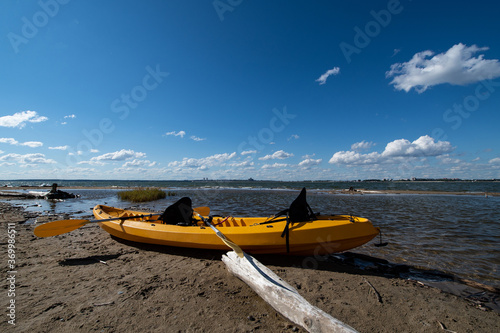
{"x":144,"y":194}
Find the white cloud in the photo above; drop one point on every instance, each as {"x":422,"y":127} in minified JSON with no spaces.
{"x":323,"y":77}
{"x":195,"y":138}
{"x":27,"y":159}
{"x":79,"y":153}
{"x":71,"y":116}
{"x":174,"y":133}
{"x":78,"y":171}
{"x":139,"y":163}
{"x":9,"y":141}
{"x":244,"y":164}
{"x":280,"y":155}
{"x":121,"y":155}
{"x":354,"y":158}
{"x":496,"y":160}
{"x":447,"y":159}
{"x":360,"y":146}
{"x":457,"y":66}
{"x":31,"y":144}
{"x":307,"y":163}
{"x":91,"y":162}
{"x":274,"y":166}
{"x":248,"y":152}
{"x":60,"y":148}
{"x":203,"y":163}
{"x":294,"y":137}
{"x":425,"y":146}
{"x":20,"y":119}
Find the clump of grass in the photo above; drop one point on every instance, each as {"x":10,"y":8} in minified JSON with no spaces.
{"x":143,"y":194}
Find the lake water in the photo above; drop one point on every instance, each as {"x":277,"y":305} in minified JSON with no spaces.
{"x":448,"y":186}
{"x":459,"y":234}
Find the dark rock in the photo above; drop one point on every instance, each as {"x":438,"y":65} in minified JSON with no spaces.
{"x":58,"y":194}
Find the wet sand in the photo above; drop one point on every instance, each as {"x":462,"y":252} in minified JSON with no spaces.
{"x":87,"y":281}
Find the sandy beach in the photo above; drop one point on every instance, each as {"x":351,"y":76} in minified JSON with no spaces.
{"x":87,"y":281}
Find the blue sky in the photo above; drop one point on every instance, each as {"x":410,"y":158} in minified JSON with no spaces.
{"x":283,"y":90}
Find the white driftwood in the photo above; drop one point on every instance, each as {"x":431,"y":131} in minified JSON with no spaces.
{"x":281,"y":296}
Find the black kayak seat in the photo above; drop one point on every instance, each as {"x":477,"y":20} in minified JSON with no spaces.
{"x":299,"y":210}
{"x":180,"y":213}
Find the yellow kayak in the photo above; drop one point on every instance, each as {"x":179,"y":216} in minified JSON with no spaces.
{"x":256,"y":235}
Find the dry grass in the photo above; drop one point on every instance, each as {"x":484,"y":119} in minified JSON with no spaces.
{"x":144,"y":194}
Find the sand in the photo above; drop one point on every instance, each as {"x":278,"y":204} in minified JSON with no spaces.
{"x":86,"y":281}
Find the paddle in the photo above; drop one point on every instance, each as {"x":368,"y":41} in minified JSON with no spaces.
{"x":226,"y":241}
{"x":60,"y":227}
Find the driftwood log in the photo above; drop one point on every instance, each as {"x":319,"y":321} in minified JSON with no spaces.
{"x":281,"y":296}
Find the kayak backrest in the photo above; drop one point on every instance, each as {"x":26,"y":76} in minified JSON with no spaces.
{"x":180,"y":212}
{"x":299,"y":210}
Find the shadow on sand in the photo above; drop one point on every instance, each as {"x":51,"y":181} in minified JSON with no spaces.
{"x":346,"y":262}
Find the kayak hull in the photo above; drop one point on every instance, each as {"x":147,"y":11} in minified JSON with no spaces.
{"x":327,"y":234}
